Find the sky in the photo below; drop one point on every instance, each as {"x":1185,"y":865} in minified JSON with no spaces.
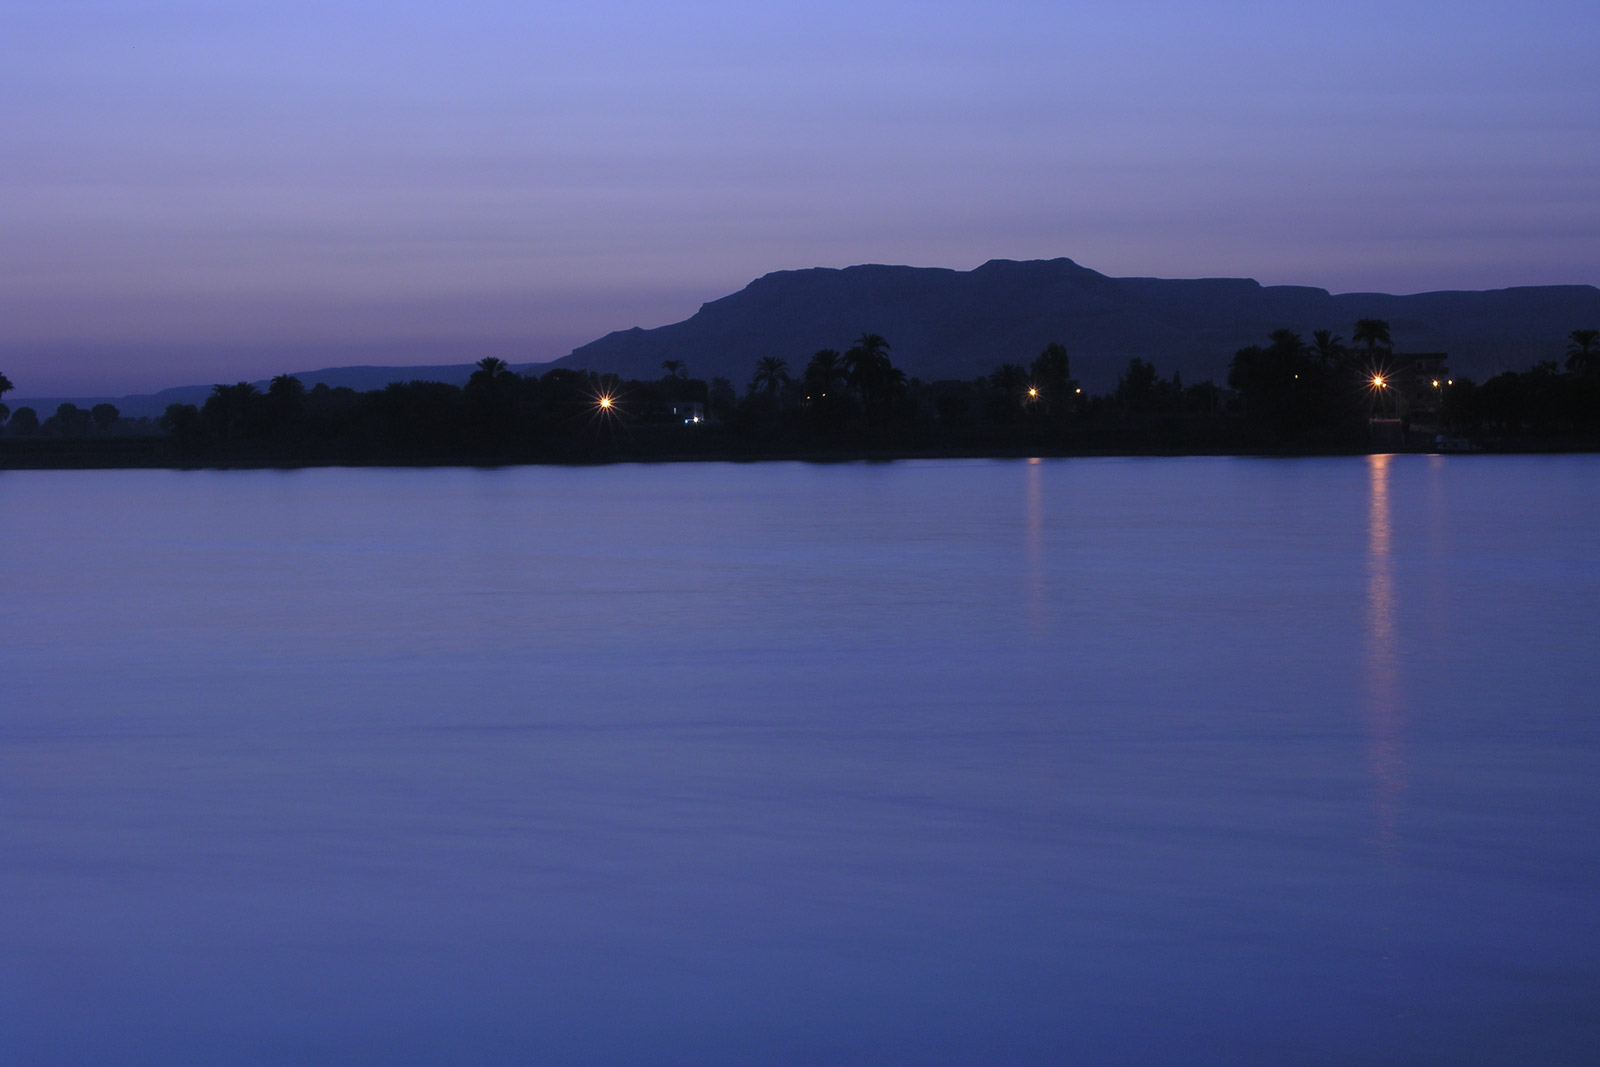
{"x":194,"y":192}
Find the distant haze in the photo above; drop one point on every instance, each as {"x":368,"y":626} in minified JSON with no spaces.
{"x":201,"y":192}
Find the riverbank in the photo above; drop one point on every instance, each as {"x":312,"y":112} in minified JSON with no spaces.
{"x":165,"y":453}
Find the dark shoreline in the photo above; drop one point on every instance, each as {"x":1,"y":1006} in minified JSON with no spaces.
{"x":1285,"y":400}
{"x":158,"y":454}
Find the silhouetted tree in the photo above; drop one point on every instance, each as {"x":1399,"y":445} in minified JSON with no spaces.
{"x":869,"y":371}
{"x":1583,"y":352}
{"x":1328,"y":347}
{"x":1534,"y":403}
{"x":1051,"y":375}
{"x":69,"y":421}
{"x":5,"y":387}
{"x":416,"y":419}
{"x":492,"y":402}
{"x":828,"y":404}
{"x":105,"y":416}
{"x":328,"y":405}
{"x":1288,"y":389}
{"x":286,"y":397}
{"x":1287,"y":343}
{"x":674,"y":383}
{"x":489,"y":371}
{"x":825,"y":373}
{"x":24,"y":422}
{"x":565,"y":397}
{"x":1012,"y":380}
{"x":1373,"y":333}
{"x":1136,"y":387}
{"x":1009,"y":392}
{"x":869,"y":349}
{"x":772,"y":374}
{"x":229,"y":412}
{"x":182,"y":421}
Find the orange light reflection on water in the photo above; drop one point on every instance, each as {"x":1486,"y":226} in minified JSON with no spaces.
{"x":1035,"y":545}
{"x":1385,"y":711}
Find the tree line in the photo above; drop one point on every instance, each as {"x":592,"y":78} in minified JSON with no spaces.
{"x":1325,"y":391}
{"x":1288,"y":393}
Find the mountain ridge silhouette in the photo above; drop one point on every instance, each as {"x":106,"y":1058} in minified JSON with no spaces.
{"x":946,"y":323}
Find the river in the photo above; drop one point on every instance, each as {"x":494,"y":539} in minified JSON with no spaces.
{"x":1098,"y":761}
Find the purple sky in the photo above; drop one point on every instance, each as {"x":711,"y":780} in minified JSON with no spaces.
{"x":196,"y":192}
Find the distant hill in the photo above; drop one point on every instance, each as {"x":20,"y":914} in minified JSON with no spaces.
{"x":360,"y":379}
{"x":960,"y":324}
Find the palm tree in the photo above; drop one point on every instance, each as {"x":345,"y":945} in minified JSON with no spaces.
{"x":1328,"y":346}
{"x":1286,"y":343}
{"x":772,"y":374}
{"x":869,"y":371}
{"x":866,"y":364}
{"x":229,"y":408}
{"x":5,"y":385}
{"x":491,"y":373}
{"x":237,"y":395}
{"x":674,"y":368}
{"x":1583,"y":352}
{"x":825,"y":373}
{"x":1374,"y":333}
{"x":868,"y":349}
{"x":287,"y":397}
{"x":286,"y":389}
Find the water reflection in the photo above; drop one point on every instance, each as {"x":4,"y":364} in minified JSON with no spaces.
{"x":1384,"y":706}
{"x":1034,"y":527}
{"x":725,"y":763}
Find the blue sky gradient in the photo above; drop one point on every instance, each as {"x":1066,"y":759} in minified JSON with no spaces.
{"x":202,"y":192}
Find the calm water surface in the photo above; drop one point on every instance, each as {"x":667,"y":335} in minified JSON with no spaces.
{"x":1204,"y":761}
